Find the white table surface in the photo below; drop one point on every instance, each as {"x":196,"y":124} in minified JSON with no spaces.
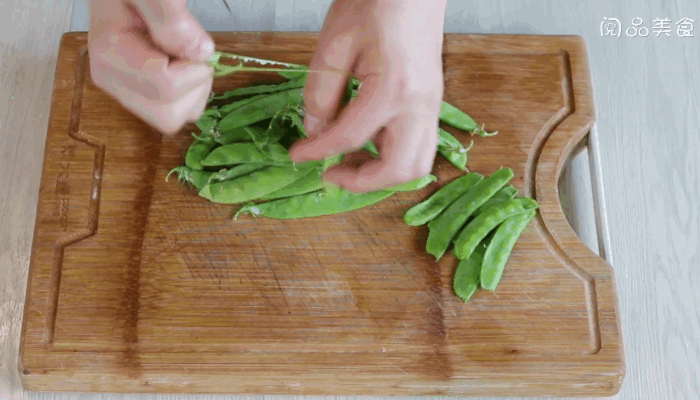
{"x":644,"y":152}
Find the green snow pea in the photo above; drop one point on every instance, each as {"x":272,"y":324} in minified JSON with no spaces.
{"x":206,"y":124}
{"x":260,"y":109}
{"x":466,"y":279}
{"x":268,"y":145}
{"x":500,"y":248}
{"x":476,"y":230}
{"x":236,"y":153}
{"x":197,"y":178}
{"x":457,"y":118}
{"x":297,"y":82}
{"x":276,"y":129}
{"x":228,"y":108}
{"x":416,"y":184}
{"x":197,"y":152}
{"x":232,"y":136}
{"x":453,"y":150}
{"x":255,"y":185}
{"x":424,"y":212}
{"x":506,"y":193}
{"x":297,"y":122}
{"x":315,"y":204}
{"x":444,"y":228}
{"x":235,"y":172}
{"x":310,"y":182}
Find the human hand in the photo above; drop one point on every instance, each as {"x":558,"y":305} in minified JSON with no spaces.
{"x":150,"y":55}
{"x":395,"y":48}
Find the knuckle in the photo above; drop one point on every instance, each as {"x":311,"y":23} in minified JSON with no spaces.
{"x":166,"y":31}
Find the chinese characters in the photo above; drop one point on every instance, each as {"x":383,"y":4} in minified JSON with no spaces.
{"x":660,"y":27}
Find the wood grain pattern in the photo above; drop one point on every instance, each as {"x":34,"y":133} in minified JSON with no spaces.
{"x":136,"y":284}
{"x":645,"y":93}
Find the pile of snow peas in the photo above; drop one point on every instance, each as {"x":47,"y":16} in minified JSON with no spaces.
{"x":483,"y":218}
{"x":240,"y":156}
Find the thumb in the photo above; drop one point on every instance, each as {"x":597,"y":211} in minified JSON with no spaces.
{"x":175,"y":30}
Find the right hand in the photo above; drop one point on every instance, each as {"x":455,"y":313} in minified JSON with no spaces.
{"x":131,"y":44}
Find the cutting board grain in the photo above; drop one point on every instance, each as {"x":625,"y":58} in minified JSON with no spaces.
{"x":139,"y":285}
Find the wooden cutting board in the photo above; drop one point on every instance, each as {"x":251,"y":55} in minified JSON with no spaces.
{"x":139,"y":285}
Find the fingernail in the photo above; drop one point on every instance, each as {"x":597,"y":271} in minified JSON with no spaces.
{"x":206,"y":50}
{"x":311,"y":124}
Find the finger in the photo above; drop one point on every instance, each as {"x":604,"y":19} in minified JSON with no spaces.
{"x":167,"y":118}
{"x":409,"y":153}
{"x":358,"y":123}
{"x":324,"y":90}
{"x":199,"y":108}
{"x":180,"y":112}
{"x":122,"y":58}
{"x":175,"y":30}
{"x":181,"y":77}
{"x":128,"y":62}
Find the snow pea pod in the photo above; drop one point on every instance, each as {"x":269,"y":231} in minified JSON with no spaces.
{"x":416,"y":184}
{"x":506,"y":193}
{"x":260,"y":109}
{"x":225,"y":110}
{"x":453,"y":150}
{"x":268,"y":145}
{"x":297,"y":82}
{"x":236,"y":153}
{"x":197,"y":178}
{"x":235,"y":172}
{"x":315,"y":204}
{"x":500,"y":248}
{"x":297,"y":122}
{"x":197,"y":152}
{"x":232,"y":136}
{"x":476,"y":230}
{"x":457,"y":118}
{"x":310,"y":182}
{"x":206,"y":124}
{"x":444,"y":228}
{"x":276,"y":130}
{"x":424,"y":212}
{"x":255,"y":185}
{"x":466,"y":279}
